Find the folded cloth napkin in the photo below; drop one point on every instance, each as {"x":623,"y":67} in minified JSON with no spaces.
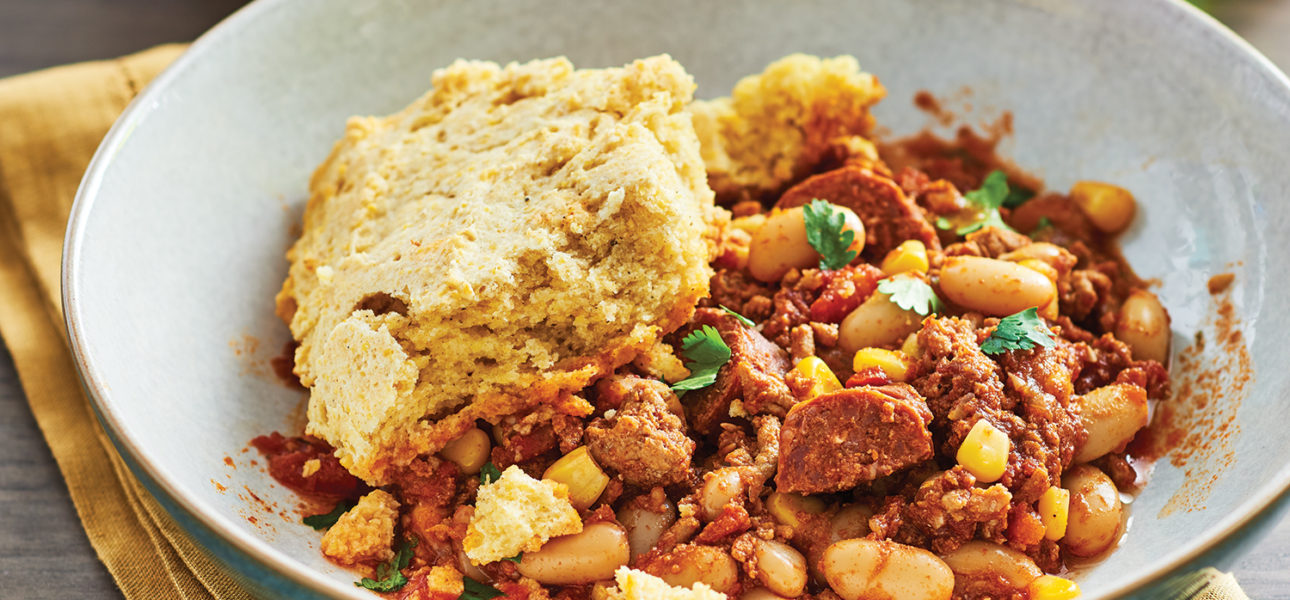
{"x":50,"y":123}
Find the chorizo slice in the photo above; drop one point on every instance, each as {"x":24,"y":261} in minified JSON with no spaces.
{"x":889,"y":216}
{"x":754,"y":374}
{"x":839,"y":440}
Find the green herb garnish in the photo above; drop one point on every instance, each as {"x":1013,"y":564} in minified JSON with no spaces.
{"x":326,"y":520}
{"x":1044,"y":223}
{"x":489,"y":473}
{"x":1017,"y":196}
{"x":911,"y":293}
{"x":825,"y":231}
{"x":738,"y":317}
{"x":705,"y":352}
{"x":1021,"y":331}
{"x":515,"y":559}
{"x":389,"y":575}
{"x":988,"y":198}
{"x":475,"y":590}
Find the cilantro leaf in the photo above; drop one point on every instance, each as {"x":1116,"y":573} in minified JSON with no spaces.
{"x":389,"y":575}
{"x":824,"y":230}
{"x":742,"y":319}
{"x":705,"y":352}
{"x":1020,"y":331}
{"x":1017,"y":196}
{"x":1044,"y":223}
{"x":515,"y":559}
{"x":326,"y":520}
{"x":992,"y":194}
{"x":475,"y":590}
{"x":911,"y":293}
{"x":489,"y":473}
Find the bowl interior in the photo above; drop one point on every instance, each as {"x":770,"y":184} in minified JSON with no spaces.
{"x":176,"y":248}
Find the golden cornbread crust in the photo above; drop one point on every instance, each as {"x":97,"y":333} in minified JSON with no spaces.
{"x":776,"y":125}
{"x":498,"y":244}
{"x":364,"y":533}
{"x":518,"y":513}
{"x":639,"y":585}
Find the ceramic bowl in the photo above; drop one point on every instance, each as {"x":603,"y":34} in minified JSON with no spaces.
{"x":175,"y":246}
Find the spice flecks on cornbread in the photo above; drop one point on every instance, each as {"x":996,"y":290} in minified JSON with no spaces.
{"x":776,"y":125}
{"x":507,"y":238}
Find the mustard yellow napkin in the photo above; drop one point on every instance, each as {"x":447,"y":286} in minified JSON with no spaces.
{"x":50,"y":123}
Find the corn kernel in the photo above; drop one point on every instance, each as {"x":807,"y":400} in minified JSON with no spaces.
{"x":788,"y":508}
{"x":579,"y":471}
{"x":1054,"y":510}
{"x":891,"y":362}
{"x":910,"y":255}
{"x":1052,"y":587}
{"x":1108,"y":207}
{"x":822,"y":378}
{"x":469,"y":452}
{"x":984,"y":452}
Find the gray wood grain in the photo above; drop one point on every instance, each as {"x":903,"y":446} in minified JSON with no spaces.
{"x":43,"y":550}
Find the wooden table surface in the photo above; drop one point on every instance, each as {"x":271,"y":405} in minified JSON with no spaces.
{"x":43,"y":551}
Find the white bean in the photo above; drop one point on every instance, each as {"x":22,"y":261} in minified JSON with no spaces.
{"x":876,"y":323}
{"x":781,"y":568}
{"x":645,"y":527}
{"x":719,"y":488}
{"x":688,"y":564}
{"x":1112,"y":415}
{"x":591,"y":555}
{"x":852,"y":521}
{"x":1093,"y":524}
{"x":1144,"y":326}
{"x":985,"y":561}
{"x":865,"y":568}
{"x":760,"y":593}
{"x":780,"y":244}
{"x":994,"y":287}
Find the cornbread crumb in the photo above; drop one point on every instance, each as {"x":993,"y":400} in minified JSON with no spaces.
{"x":639,"y":585}
{"x":365,"y":533}
{"x":504,"y":240}
{"x":444,"y":580}
{"x":518,"y":513}
{"x":310,"y":467}
{"x":776,"y":125}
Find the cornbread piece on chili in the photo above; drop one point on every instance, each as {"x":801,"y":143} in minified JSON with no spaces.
{"x":518,"y":513}
{"x":836,"y":441}
{"x":639,"y":585}
{"x":504,"y":240}
{"x":365,"y":533}
{"x":777,"y":125}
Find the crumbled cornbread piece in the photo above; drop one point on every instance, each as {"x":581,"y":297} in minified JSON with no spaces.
{"x":778,"y":124}
{"x":365,"y":533}
{"x":442,"y":580}
{"x":498,"y":244}
{"x":518,"y":513}
{"x":639,"y":585}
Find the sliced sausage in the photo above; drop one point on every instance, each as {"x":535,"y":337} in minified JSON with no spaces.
{"x":889,"y":216}
{"x":754,"y":374}
{"x":839,"y":440}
